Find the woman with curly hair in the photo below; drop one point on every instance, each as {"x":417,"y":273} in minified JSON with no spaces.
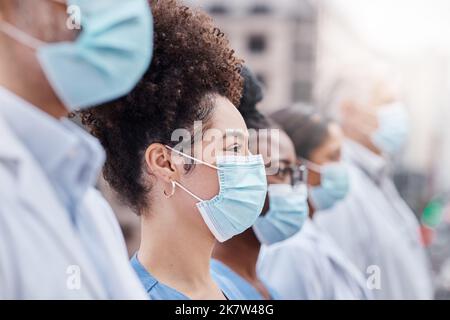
{"x":186,"y":200}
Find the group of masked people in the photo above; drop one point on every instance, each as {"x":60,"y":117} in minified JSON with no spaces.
{"x":293,"y":205}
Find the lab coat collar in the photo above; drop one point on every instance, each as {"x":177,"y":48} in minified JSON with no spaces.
{"x":328,"y":248}
{"x":309,"y":229}
{"x":9,"y":149}
{"x":31,"y":187}
{"x":325,"y":242}
{"x":69,"y":157}
{"x":313,"y":232}
{"x":372,"y":164}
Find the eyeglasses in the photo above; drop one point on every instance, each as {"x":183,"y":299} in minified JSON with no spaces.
{"x":297,"y":174}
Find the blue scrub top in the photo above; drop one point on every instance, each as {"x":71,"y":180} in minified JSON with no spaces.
{"x":159,"y":291}
{"x":246,"y":289}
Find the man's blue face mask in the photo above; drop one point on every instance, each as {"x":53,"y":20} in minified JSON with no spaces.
{"x":393,"y":128}
{"x":107,"y":59}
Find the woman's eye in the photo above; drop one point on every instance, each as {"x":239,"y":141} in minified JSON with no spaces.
{"x":236,"y":148}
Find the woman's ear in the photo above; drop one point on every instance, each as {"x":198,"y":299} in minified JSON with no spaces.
{"x":160,"y":163}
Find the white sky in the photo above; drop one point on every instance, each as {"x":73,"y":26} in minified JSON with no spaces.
{"x":398,"y":27}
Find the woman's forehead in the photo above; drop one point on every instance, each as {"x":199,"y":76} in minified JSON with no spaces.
{"x":226,"y":116}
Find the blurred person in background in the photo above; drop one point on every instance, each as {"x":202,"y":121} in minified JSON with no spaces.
{"x":59,"y":238}
{"x":374,"y":226}
{"x":187,"y":199}
{"x":310,"y":265}
{"x":285,"y":207}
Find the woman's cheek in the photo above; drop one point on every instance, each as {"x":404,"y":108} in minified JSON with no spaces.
{"x":204,"y":182}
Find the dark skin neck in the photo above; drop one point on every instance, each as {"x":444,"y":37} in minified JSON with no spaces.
{"x":55,"y":110}
{"x":33,"y":87}
{"x":240,"y":254}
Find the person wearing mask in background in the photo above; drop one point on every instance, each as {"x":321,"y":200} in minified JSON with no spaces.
{"x":310,"y":265}
{"x":285,"y":209}
{"x":186,"y":200}
{"x":58,"y":237}
{"x":374,"y":226}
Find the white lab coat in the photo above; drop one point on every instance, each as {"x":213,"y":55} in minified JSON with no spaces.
{"x":309,"y":266}
{"x":377,"y":230}
{"x":41,"y":254}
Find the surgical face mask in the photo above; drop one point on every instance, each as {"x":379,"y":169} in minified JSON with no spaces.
{"x":288,"y":210}
{"x":107,"y":59}
{"x":393,"y":128}
{"x":243,"y":188}
{"x":334,"y":184}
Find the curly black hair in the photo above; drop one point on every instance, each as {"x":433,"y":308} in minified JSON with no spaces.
{"x":192,"y":61}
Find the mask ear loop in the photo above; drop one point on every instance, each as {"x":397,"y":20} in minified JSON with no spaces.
{"x":20,"y":36}
{"x":188,"y":192}
{"x":192,"y":158}
{"x":175,"y":183}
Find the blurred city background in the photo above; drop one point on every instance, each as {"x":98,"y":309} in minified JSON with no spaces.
{"x":300,"y":48}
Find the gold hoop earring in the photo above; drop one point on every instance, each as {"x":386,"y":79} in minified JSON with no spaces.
{"x":173,"y":190}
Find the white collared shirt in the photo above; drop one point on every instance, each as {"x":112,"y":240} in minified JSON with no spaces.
{"x":59,"y":238}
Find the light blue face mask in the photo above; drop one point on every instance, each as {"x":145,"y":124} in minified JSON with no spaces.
{"x":393,"y":128}
{"x":243,"y":188}
{"x":106,"y":60}
{"x":288,"y":209}
{"x":334,"y":185}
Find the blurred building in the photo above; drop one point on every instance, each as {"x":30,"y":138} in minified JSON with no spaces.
{"x":277,"y":40}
